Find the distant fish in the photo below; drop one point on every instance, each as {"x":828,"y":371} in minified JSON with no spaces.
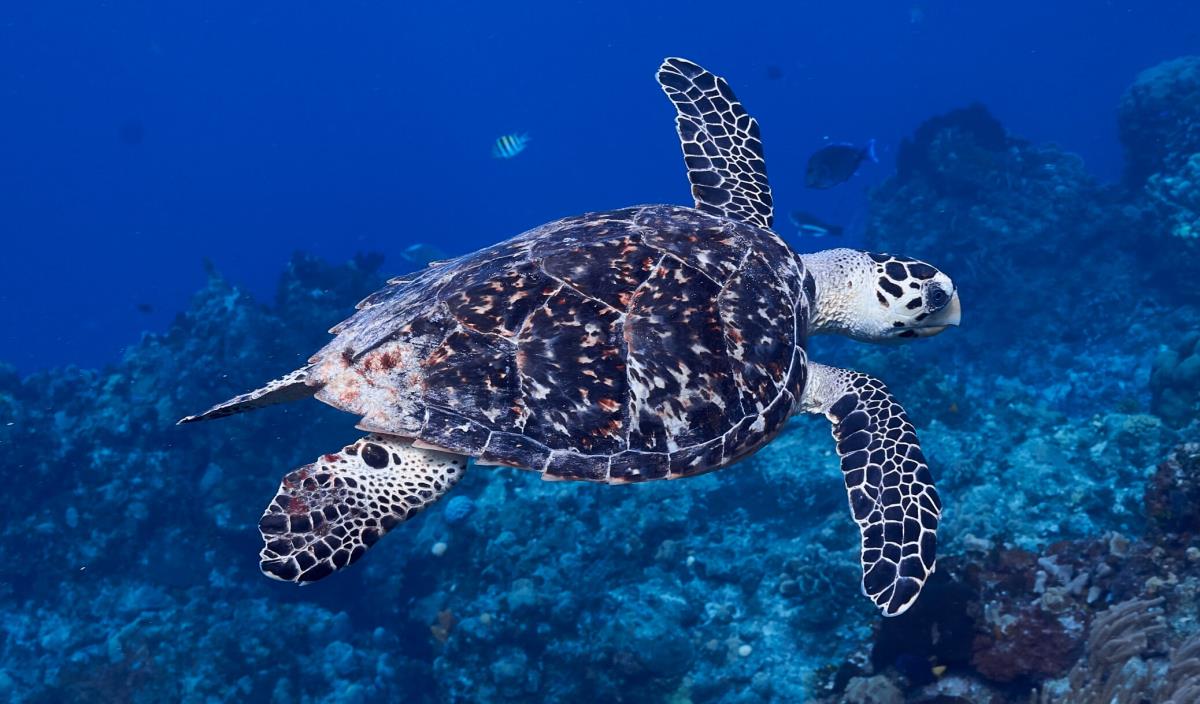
{"x":809,"y":224}
{"x":836,"y":164}
{"x":774,"y":73}
{"x":144,"y":308}
{"x":510,"y":145}
{"x":422,"y":254}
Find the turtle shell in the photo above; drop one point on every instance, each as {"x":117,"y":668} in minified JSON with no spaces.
{"x":636,"y":344}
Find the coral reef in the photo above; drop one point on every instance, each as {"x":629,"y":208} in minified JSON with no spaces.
{"x":1110,"y":618}
{"x":1120,"y":635}
{"x":1173,"y":494}
{"x":1063,"y":439}
{"x":1175,"y":381}
{"x":1122,"y":667}
{"x":1089,"y":515}
{"x":1176,"y":197}
{"x":948,"y":150}
{"x":1159,"y":119}
{"x":994,"y":214}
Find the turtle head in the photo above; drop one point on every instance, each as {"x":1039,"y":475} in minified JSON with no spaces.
{"x":879,"y":297}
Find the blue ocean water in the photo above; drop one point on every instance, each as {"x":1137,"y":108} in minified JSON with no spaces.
{"x":192,"y":195}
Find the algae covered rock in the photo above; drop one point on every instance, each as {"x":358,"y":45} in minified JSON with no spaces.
{"x":1175,"y":381}
{"x":1173,"y":494}
{"x":1175,"y":195}
{"x":954,"y":151}
{"x":1159,"y":119}
{"x":873,"y":690}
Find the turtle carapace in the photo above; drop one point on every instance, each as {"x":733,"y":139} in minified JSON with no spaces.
{"x":653,"y":342}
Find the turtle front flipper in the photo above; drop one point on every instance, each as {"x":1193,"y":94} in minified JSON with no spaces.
{"x":326,"y":514}
{"x":721,"y":144}
{"x":890,"y":489}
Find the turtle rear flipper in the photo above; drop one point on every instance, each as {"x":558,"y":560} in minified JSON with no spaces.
{"x":889,"y":486}
{"x":326,"y":514}
{"x":290,"y":387}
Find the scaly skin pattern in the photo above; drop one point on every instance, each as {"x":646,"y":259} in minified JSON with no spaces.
{"x":721,"y":144}
{"x":870,"y":297}
{"x":645,"y":343}
{"x":327,"y":514}
{"x":887,"y":480}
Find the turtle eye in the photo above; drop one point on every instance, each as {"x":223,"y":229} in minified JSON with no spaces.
{"x":937,"y":298}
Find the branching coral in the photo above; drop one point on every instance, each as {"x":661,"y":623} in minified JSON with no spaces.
{"x":1182,"y":683}
{"x":1122,"y":632}
{"x":1116,"y":670}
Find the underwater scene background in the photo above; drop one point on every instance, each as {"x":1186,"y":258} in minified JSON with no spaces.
{"x":192,"y":195}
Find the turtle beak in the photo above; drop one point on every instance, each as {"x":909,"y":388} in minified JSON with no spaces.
{"x":944,"y":318}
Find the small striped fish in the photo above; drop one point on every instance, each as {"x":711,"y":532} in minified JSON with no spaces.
{"x":509,"y":145}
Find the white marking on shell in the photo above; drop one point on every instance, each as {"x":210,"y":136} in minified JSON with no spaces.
{"x":537,"y":389}
{"x":682,"y":377}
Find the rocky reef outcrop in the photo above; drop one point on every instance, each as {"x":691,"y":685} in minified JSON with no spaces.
{"x":1159,"y":121}
{"x":995,"y":211}
{"x":1110,"y":618}
{"x":1175,"y":380}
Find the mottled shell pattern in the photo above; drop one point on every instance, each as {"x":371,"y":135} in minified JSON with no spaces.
{"x":646,"y":343}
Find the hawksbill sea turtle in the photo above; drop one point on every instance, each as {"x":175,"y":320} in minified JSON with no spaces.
{"x":652,"y":342}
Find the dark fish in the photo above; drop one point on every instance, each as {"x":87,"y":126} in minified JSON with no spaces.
{"x":836,"y":164}
{"x":811,"y":225}
{"x":774,"y":73}
{"x":144,"y":308}
{"x":132,"y":132}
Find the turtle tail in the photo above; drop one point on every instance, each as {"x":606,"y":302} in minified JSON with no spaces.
{"x":290,"y":387}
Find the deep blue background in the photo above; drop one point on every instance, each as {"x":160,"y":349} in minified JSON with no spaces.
{"x":352,"y":126}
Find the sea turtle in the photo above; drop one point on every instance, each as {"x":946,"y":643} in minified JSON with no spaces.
{"x":653,"y":342}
